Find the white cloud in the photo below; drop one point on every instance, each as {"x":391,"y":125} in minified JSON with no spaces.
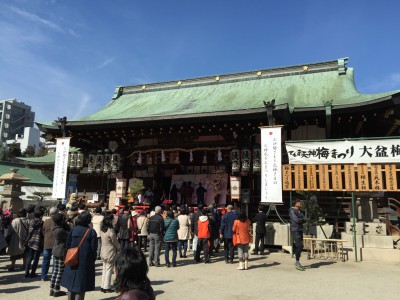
{"x":41,"y":21}
{"x":82,"y":107}
{"x":35,"y":18}
{"x":105,"y":63}
{"x":390,"y":82}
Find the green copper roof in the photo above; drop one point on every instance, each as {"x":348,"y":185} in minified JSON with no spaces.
{"x":48,"y":159}
{"x":36,"y":176}
{"x":298,"y":87}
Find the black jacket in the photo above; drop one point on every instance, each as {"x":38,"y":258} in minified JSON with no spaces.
{"x":195,"y":219}
{"x":156,"y":224}
{"x":296,"y":218}
{"x":60,"y":238}
{"x":260,"y":219}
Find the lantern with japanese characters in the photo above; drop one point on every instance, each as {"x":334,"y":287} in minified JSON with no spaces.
{"x":79,"y":160}
{"x":115,"y":157}
{"x":107,"y":162}
{"x":257,"y":159}
{"x":72,"y":160}
{"x":235,"y":158}
{"x":246,"y":160}
{"x":91,"y":162}
{"x":99,"y":162}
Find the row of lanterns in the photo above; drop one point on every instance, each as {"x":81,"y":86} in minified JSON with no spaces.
{"x":241,"y":160}
{"x":100,"y":162}
{"x":173,"y":159}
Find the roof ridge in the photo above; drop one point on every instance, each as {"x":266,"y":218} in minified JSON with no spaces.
{"x":326,"y":66}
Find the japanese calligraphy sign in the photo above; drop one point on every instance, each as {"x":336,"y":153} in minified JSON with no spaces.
{"x":311,"y":177}
{"x":391,"y":179}
{"x":337,"y":178}
{"x":299,"y":177}
{"x":271,"y":166}
{"x":344,"y":152}
{"x":60,"y":168}
{"x":357,"y":178}
{"x":287,"y":177}
{"x":349,"y":178}
{"x":363,"y":179}
{"x":376,"y":177}
{"x":323,"y":177}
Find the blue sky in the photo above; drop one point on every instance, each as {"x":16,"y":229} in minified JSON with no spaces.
{"x":64,"y":58}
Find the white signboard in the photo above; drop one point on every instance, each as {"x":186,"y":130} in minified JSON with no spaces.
{"x":344,"y":152}
{"x":271,"y":161}
{"x":61,"y":168}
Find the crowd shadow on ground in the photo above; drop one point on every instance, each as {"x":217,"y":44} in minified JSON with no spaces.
{"x":18,"y":289}
{"x":319,"y":264}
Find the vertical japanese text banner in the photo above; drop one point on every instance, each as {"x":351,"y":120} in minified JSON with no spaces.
{"x":271,"y":165}
{"x":60,"y":168}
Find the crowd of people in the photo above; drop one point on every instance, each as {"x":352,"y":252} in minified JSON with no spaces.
{"x":121,"y":239}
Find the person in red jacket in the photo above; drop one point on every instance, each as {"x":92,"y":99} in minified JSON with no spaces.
{"x":243,"y":238}
{"x":203,"y":234}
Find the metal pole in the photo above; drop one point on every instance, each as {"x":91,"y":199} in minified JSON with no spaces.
{"x":353,"y":209}
{"x":291,"y":238}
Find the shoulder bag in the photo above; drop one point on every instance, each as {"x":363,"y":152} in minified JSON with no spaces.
{"x":72,"y":256}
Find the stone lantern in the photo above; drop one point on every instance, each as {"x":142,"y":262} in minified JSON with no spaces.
{"x":12,"y":189}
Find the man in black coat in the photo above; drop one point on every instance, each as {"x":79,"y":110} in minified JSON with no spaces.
{"x":193,"y":227}
{"x":260,"y":219}
{"x":297,"y":219}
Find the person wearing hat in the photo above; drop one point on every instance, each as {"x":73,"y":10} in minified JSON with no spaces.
{"x":48,"y":243}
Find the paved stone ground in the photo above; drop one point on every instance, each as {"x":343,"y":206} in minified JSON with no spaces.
{"x":269,"y":277}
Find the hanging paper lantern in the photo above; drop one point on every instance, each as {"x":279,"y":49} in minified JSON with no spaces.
{"x":191,"y":156}
{"x":115,"y":157}
{"x":162,"y":156}
{"x":72,"y":161}
{"x":107,"y":162}
{"x":91,"y":162}
{"x":99,"y":162}
{"x":177,"y":158}
{"x":257,"y":159}
{"x":245,"y":160}
{"x":139,"y":160}
{"x":79,"y":160}
{"x":219,"y":155}
{"x":204,"y":158}
{"x":235,"y":158}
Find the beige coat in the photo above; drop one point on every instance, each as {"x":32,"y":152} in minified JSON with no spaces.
{"x":18,"y":237}
{"x":184,"y":227}
{"x":142,"y":223}
{"x":96,"y":221}
{"x":109,"y":245}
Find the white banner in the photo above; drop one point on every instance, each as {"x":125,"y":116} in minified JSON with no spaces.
{"x":61,"y":168}
{"x":271,"y":161}
{"x":344,"y":152}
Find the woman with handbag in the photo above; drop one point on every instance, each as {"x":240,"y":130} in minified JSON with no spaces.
{"x":241,"y":239}
{"x":142,"y":223}
{"x":80,"y":278}
{"x":109,"y":249}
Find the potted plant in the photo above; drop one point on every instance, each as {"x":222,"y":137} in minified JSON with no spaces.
{"x":134,"y":190}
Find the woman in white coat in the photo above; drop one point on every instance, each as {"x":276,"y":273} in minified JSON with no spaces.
{"x":142,"y":223}
{"x":183,"y":232}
